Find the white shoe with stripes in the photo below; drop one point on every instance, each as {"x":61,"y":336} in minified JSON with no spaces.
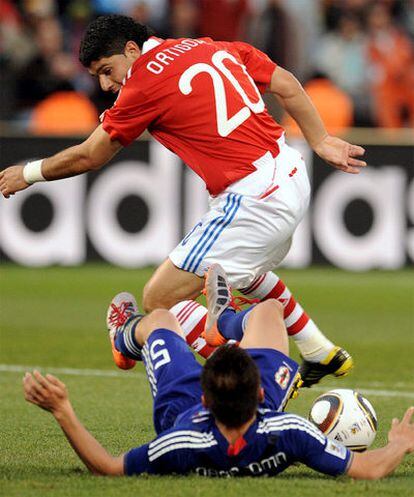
{"x":218,"y":296}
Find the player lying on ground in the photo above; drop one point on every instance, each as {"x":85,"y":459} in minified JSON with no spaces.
{"x":202,"y":100}
{"x":237,"y":428}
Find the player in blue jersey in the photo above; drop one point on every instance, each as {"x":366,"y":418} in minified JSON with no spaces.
{"x":223,"y":419}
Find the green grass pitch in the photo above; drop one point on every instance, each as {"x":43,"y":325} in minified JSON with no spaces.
{"x":54,"y":318}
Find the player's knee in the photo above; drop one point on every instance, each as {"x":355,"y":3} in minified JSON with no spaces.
{"x":271,"y":311}
{"x":162,"y":318}
{"x":271,"y":306}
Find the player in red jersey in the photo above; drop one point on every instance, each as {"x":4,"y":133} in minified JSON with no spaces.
{"x":202,"y":100}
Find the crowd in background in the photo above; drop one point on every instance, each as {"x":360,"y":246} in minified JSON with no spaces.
{"x":355,"y":57}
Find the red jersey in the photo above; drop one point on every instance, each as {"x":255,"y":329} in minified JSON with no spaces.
{"x":202,"y":100}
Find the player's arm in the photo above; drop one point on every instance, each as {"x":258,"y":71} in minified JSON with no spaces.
{"x":93,"y":153}
{"x":293,"y":98}
{"x":50,"y":394}
{"x":377,"y":463}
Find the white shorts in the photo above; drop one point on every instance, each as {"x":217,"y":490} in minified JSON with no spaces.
{"x":249,"y":227}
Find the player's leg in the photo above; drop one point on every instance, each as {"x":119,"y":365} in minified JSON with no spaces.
{"x":157,"y":319}
{"x":228,"y":325}
{"x":192,"y":318}
{"x":172,"y":370}
{"x":261,"y":331}
{"x":265,"y":224}
{"x":312,"y":344}
{"x":265,"y":328}
{"x":169,"y":285}
{"x":264,"y":337}
{"x":320,"y":355}
{"x":222,"y":324}
{"x":266,"y":340}
{"x":121,"y":315}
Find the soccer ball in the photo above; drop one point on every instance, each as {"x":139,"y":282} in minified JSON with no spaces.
{"x":345,"y":416}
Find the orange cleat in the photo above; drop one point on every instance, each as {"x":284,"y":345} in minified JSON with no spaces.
{"x":122,"y":307}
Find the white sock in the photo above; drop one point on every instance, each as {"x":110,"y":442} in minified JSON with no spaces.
{"x":192,"y":317}
{"x":311,"y":342}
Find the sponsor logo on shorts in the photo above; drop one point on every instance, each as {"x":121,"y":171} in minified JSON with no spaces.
{"x":282,"y":377}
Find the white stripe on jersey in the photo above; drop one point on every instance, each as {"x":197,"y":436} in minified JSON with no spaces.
{"x":201,"y":419}
{"x":293,"y":426}
{"x":285,"y":422}
{"x":291,"y":418}
{"x":290,"y":422}
{"x":185,"y":439}
{"x":184,"y":445}
{"x":182,"y":433}
{"x":152,"y":451}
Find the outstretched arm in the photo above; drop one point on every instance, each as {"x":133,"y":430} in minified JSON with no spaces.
{"x":93,"y":153}
{"x":50,"y":394}
{"x":293,"y":98}
{"x":377,"y":463}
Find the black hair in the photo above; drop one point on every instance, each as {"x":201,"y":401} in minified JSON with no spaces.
{"x":230,"y":381}
{"x":108,"y":35}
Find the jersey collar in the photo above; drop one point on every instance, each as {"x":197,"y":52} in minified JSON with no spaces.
{"x":150,"y":44}
{"x":233,"y":450}
{"x":147,"y":46}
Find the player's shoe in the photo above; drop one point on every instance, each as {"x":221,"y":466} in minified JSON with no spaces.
{"x":218,"y":296}
{"x":122,"y":307}
{"x":297,"y":384}
{"x":338,"y":363}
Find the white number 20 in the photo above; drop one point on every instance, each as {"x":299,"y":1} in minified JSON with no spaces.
{"x":225,"y":125}
{"x":161,"y":356}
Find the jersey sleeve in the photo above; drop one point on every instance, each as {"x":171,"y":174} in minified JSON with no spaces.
{"x":306,"y":444}
{"x":166,"y":454}
{"x":136,"y":461}
{"x":131,"y":114}
{"x":258,"y":64}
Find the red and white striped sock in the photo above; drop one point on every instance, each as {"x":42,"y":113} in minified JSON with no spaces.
{"x":312,"y":343}
{"x":192,"y":317}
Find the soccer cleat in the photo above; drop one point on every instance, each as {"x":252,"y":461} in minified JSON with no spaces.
{"x":122,"y":307}
{"x":219,"y":298}
{"x":338,"y":363}
{"x":296,"y":385}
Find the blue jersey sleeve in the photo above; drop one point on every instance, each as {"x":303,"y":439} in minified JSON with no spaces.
{"x":307,"y":444}
{"x":136,"y":461}
{"x":171,"y":452}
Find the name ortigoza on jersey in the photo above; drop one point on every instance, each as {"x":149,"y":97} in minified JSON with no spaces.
{"x":202,"y":100}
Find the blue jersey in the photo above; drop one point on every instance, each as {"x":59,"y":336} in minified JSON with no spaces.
{"x":271,"y":444}
{"x":188,"y":439}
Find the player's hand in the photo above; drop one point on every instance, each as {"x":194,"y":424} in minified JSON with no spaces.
{"x":47,"y":392}
{"x":341,"y":154}
{"x":402,"y":432}
{"x":12,"y":181}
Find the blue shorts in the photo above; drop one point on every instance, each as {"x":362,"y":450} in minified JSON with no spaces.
{"x":174,"y":376}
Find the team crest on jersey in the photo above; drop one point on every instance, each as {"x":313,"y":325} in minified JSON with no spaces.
{"x":282,"y":377}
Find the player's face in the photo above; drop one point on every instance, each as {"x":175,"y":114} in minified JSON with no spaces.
{"x":112,"y":70}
